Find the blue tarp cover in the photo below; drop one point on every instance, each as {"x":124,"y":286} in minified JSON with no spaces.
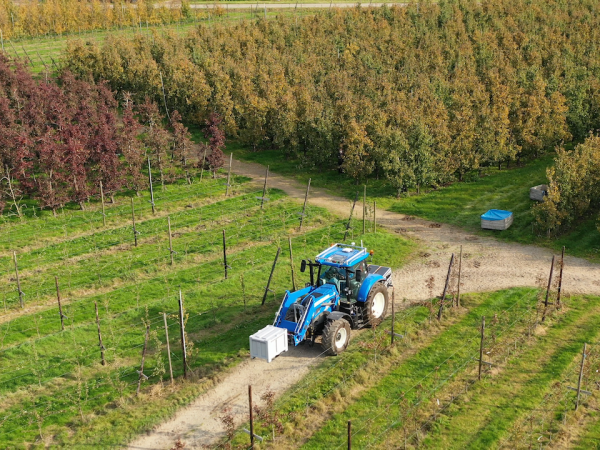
{"x":496,"y":214}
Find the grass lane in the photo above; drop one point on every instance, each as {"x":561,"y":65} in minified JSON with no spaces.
{"x":148,"y":284}
{"x":496,"y":403}
{"x":40,"y":228}
{"x":201,"y":219}
{"x":80,"y":276}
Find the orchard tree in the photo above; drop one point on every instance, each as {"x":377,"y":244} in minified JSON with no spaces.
{"x":182,"y":143}
{"x":216,"y":143}
{"x":156,"y":138}
{"x":356,"y":150}
{"x":131,"y":146}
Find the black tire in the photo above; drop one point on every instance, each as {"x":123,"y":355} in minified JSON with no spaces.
{"x":336,"y":336}
{"x":376,"y":305}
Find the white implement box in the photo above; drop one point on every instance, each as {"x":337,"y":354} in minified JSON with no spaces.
{"x":268,"y":343}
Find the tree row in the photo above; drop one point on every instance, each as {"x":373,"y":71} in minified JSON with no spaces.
{"x":31,"y":19}
{"x":419,"y":95}
{"x":62,"y":141}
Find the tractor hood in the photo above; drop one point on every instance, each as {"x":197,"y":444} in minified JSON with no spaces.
{"x":300,"y":308}
{"x":324,"y":293}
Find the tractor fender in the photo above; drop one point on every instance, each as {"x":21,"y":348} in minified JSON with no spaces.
{"x":335,"y":315}
{"x":367,"y":285}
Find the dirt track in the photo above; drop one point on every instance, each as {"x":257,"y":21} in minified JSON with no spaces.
{"x":487,"y":265}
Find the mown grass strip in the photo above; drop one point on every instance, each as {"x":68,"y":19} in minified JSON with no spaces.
{"x":203,"y":217}
{"x":40,"y":227}
{"x":85,"y":274}
{"x":496,"y":403}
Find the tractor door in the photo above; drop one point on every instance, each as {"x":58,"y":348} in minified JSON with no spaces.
{"x":357,"y":274}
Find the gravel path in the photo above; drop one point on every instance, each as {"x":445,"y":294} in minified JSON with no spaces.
{"x":488,"y":265}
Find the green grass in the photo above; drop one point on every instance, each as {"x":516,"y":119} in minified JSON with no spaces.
{"x":497,"y":403}
{"x":590,"y":438}
{"x":417,"y":377}
{"x":400,"y":391}
{"x":56,"y":392}
{"x":111,"y":267}
{"x":41,"y":228}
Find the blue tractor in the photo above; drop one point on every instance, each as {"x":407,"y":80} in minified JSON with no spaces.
{"x":344,"y":293}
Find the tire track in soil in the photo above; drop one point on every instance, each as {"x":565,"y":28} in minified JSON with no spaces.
{"x":488,"y":265}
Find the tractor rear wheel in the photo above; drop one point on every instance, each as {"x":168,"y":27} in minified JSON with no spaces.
{"x":336,"y":336}
{"x":376,"y":305}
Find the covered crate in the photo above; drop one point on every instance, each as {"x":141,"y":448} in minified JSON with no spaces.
{"x":268,"y":343}
{"x":538,"y":192}
{"x":496,"y":219}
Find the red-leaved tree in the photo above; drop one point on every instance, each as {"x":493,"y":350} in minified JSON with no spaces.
{"x":216,"y":142}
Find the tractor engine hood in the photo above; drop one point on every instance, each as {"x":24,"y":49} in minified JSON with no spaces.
{"x":300,"y":308}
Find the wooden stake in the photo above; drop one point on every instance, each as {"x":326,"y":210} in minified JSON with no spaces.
{"x":445,"y":287}
{"x":560,"y":277}
{"x":262,"y":200}
{"x":44,"y":63}
{"x":459,"y":271}
{"x":305,"y":202}
{"x":271,"y":276}
{"x":170,"y":240}
{"x":292,"y":264}
{"x":251,"y":417}
{"x":243,"y":289}
{"x":393,"y":313}
{"x":182,"y":329}
{"x":548,"y":289}
{"x":365,"y":209}
{"x":350,"y":218}
{"x":225,"y":254}
{"x":27,"y":54}
{"x":53,"y":63}
{"x":143,"y":358}
{"x":151,"y":189}
{"x":103,"y":207}
{"x":135,"y":233}
{"x":374,"y":216}
{"x":62,"y":323}
{"x":580,"y":377}
{"x":481,"y":346}
{"x":349,"y":435}
{"x":229,"y":174}
{"x":2,"y":39}
{"x":99,"y":335}
{"x":18,"y":280}
{"x":168,"y":347}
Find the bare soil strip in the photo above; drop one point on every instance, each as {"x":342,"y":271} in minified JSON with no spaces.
{"x":488,"y":265}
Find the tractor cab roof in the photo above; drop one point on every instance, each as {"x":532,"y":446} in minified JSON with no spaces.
{"x":342,"y":255}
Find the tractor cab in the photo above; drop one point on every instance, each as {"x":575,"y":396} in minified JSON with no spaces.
{"x":343,"y":266}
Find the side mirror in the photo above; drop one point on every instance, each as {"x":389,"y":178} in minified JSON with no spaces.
{"x":303,"y":266}
{"x":359,"y":275}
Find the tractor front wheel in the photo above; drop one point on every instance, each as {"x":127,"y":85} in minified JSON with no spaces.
{"x":376,"y":305}
{"x":336,"y":336}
